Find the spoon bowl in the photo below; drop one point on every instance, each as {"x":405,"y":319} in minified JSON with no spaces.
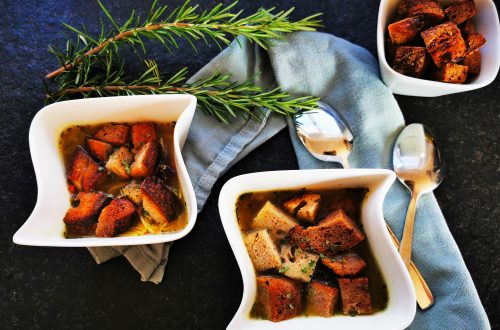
{"x":325,"y":134}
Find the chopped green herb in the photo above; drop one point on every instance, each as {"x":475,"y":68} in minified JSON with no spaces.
{"x":312,"y":263}
{"x":305,"y":269}
{"x":321,"y":255}
{"x":126,"y":165}
{"x":283,"y":269}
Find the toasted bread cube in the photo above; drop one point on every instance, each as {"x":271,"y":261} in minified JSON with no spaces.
{"x":411,"y":61}
{"x":345,"y":264}
{"x":119,"y":163}
{"x":305,"y":206}
{"x":262,"y":250}
{"x":133,"y":192}
{"x":114,"y":134}
{"x":406,"y":30}
{"x":297,"y":264}
{"x":472,"y":61}
{"x":346,"y":203}
{"x":115,"y":218}
{"x":142,"y":133}
{"x":467,"y":27}
{"x":77,"y":168}
{"x":94,"y":174}
{"x":336,"y":232}
{"x":84,"y":173}
{"x":461,"y":11}
{"x":451,"y":73}
{"x":82,"y":218}
{"x":273,"y":218}
{"x":277,"y":298}
{"x":444,"y":42}
{"x":159,"y":201}
{"x":355,"y":296}
{"x":430,"y":9}
{"x":321,"y":299}
{"x":474,"y":41}
{"x":99,"y":149}
{"x":145,"y":160}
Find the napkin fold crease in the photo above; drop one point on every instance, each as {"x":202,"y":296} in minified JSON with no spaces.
{"x":346,"y":77}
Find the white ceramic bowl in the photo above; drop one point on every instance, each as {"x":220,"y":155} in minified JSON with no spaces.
{"x":486,"y":22}
{"x":45,"y":226}
{"x":401,"y":306}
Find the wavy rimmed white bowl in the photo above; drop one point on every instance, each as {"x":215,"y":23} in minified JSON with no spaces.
{"x":45,"y":227}
{"x":486,"y":22}
{"x":401,"y":306}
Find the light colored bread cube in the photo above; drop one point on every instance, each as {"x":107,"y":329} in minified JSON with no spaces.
{"x":262,"y":250}
{"x":273,"y":218}
{"x":297,"y":264}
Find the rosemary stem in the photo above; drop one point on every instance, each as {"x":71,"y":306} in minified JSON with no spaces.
{"x":152,"y":27}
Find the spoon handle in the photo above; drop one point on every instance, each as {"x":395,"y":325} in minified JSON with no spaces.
{"x":406,"y":241}
{"x":422,"y":291}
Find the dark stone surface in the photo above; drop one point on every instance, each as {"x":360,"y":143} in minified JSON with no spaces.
{"x":63,"y":288}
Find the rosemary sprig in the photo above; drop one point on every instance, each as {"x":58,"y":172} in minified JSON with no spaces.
{"x":188,"y":23}
{"x":217,"y":95}
{"x":91,"y":66}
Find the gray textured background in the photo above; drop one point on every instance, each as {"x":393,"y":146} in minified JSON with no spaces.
{"x":63,"y":288}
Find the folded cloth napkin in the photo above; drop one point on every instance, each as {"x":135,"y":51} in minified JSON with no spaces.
{"x":346,"y":77}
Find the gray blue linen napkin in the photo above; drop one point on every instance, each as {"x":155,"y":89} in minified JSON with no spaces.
{"x":346,"y":77}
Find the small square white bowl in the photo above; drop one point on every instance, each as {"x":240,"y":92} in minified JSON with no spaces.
{"x":401,"y":307}
{"x":486,"y":22}
{"x":45,"y":225}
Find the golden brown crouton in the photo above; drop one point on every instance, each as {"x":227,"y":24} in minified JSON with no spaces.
{"x":94,"y":174}
{"x":115,"y":134}
{"x":411,"y":61}
{"x":142,"y":133}
{"x":262,"y":250}
{"x":144,"y":160}
{"x":336,"y":232}
{"x":467,"y":27}
{"x":430,"y":9}
{"x":472,"y":61}
{"x":305,"y":206}
{"x":84,"y":173}
{"x":444,"y":42}
{"x":99,"y":149}
{"x":81,"y":219}
{"x":159,"y":201}
{"x":321,"y":299}
{"x":461,"y":11}
{"x":346,"y":203}
{"x":277,"y":298}
{"x":345,"y":264}
{"x":77,"y":168}
{"x":406,"y":30}
{"x":474,"y":41}
{"x":297,"y":264}
{"x":451,"y":73}
{"x":355,"y":296}
{"x":119,"y":163}
{"x":115,"y":218}
{"x":133,"y":192}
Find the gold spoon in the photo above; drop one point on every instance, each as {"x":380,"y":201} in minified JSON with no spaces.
{"x":327,"y":137}
{"x":418,"y":165}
